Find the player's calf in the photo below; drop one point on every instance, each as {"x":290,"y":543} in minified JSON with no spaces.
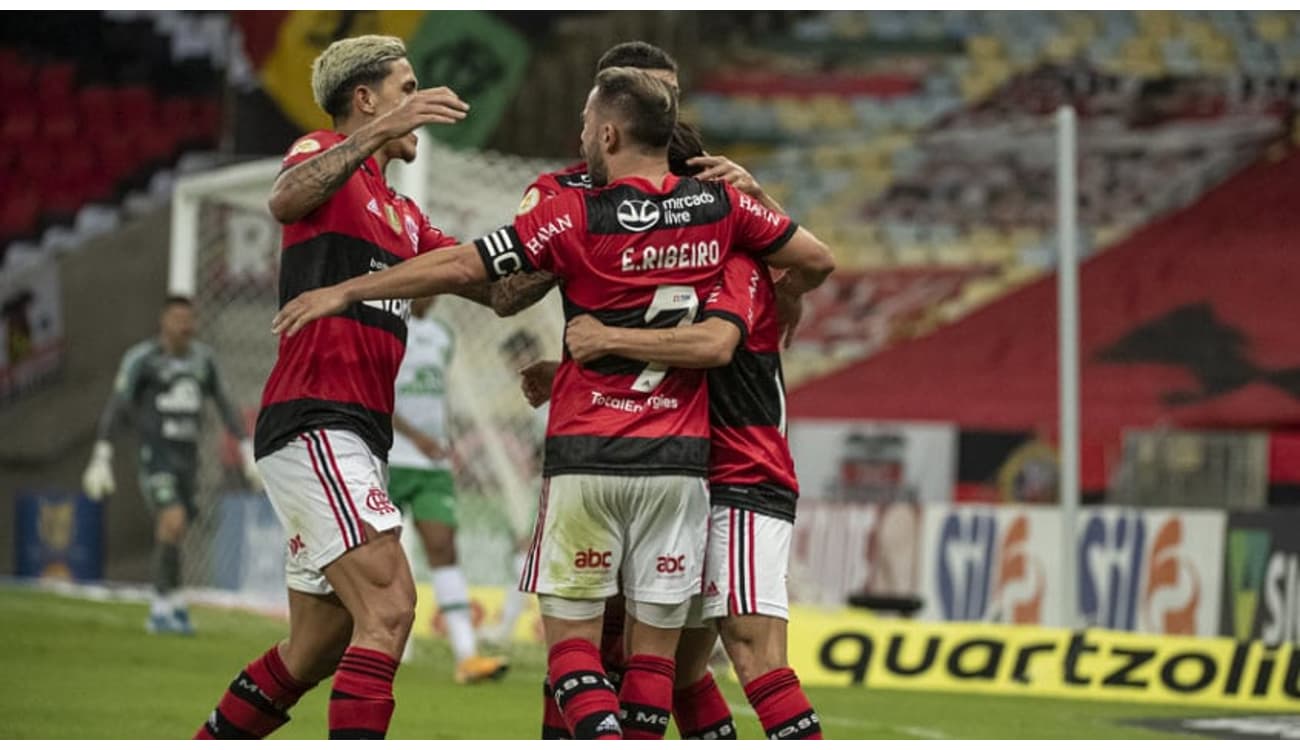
{"x":700,"y":710}
{"x":582,"y":692}
{"x":757,"y":647}
{"x":257,"y":701}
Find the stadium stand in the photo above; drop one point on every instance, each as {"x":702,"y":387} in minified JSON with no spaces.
{"x":865,"y":124}
{"x":108,"y":101}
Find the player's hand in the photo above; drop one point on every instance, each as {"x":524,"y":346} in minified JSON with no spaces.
{"x":97,"y":481}
{"x":789,"y":310}
{"x":249,"y":465}
{"x":307,"y":307}
{"x":536,"y":379}
{"x":439,"y":106}
{"x":586,"y":338}
{"x":432,"y":449}
{"x":722,"y":168}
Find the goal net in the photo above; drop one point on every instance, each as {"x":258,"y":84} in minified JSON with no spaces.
{"x":225,"y":254}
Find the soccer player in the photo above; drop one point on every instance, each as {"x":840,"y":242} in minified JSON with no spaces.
{"x":752,"y":488}
{"x":509,"y":296}
{"x":325,"y":427}
{"x":160,"y":387}
{"x":627,"y":442}
{"x":686,"y":157}
{"x":421,"y":483}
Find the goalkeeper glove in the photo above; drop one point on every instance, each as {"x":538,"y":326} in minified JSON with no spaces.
{"x":97,"y":481}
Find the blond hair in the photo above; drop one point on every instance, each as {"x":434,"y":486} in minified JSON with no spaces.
{"x":348,"y":63}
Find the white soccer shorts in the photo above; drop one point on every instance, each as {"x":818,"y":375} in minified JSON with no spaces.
{"x":325,"y":487}
{"x":594,"y":531}
{"x":747,"y":565}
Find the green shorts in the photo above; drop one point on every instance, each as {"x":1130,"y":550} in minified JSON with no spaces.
{"x":162,"y":489}
{"x":429,"y":493}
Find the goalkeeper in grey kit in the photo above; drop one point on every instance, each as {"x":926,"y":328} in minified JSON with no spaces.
{"x":160,"y":388}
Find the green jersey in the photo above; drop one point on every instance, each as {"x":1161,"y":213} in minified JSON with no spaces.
{"x":162,"y":395}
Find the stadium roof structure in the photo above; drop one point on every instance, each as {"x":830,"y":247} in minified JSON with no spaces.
{"x":1192,"y":321}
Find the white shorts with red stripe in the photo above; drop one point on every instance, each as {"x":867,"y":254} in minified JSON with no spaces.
{"x":595,"y":532}
{"x":326,"y":487}
{"x":747,"y":564}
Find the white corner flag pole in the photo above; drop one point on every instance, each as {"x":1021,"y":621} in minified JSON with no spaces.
{"x":1067,"y":313}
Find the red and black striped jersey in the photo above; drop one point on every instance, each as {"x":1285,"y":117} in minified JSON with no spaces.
{"x":635,"y":255}
{"x":551,"y":184}
{"x":751,"y":467}
{"x":339,"y":371}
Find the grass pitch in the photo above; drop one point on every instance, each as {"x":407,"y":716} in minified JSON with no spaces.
{"x":78,"y":669}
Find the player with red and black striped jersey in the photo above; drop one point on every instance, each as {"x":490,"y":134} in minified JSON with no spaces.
{"x":627,"y":446}
{"x":753,"y":492}
{"x":325,"y":427}
{"x":686,"y":157}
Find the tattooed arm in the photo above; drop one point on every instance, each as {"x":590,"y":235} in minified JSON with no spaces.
{"x":513,"y":294}
{"x":301,"y":189}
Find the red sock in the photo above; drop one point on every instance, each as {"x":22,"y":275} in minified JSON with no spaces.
{"x":646,"y":696}
{"x":584,"y":695}
{"x":702,"y":713}
{"x":361,"y":704}
{"x":782,"y":708}
{"x":257,"y":701}
{"x":553,"y":726}
{"x":612,"y":657}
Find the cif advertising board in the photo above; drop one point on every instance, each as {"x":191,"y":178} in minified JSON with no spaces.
{"x":1261,"y":587}
{"x":1152,"y":571}
{"x":993,"y":563}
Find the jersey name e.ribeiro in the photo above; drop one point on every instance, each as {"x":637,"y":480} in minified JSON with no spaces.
{"x":338,"y":371}
{"x":633,"y":254}
{"x":422,"y":391}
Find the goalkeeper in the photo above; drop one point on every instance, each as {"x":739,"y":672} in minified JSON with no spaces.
{"x":160,"y":387}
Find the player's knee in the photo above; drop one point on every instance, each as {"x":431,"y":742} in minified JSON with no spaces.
{"x":439,"y":544}
{"x":441,"y":556}
{"x":170,"y":528}
{"x":752,"y":647}
{"x":388,"y":620}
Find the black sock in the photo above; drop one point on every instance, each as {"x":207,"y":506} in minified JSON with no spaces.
{"x":166,"y":567}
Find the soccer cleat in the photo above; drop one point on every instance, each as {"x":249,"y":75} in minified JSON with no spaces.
{"x":158,"y":624}
{"x":177,"y":623}
{"x":181,"y":618}
{"x":474,"y":669}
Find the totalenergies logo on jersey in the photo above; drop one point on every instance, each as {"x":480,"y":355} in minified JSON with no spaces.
{"x":988,"y":571}
{"x":1131,"y":579}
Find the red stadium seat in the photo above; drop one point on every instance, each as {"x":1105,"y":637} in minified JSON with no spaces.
{"x":56,"y":80}
{"x":16,"y":76}
{"x":98,"y":106}
{"x":19,"y":214}
{"x":19,"y":125}
{"x":118,"y":157}
{"x":136,"y":105}
{"x":60,"y":122}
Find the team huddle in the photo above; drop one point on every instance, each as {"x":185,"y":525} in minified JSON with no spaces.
{"x":668,"y":491}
